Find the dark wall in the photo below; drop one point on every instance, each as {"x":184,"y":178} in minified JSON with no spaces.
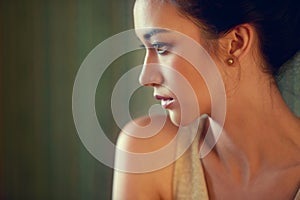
{"x":42,"y":44}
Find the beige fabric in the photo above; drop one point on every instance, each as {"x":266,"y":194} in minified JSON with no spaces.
{"x":297,"y":197}
{"x":189,"y":181}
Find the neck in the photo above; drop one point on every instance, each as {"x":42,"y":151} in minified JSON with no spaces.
{"x":260,"y":130}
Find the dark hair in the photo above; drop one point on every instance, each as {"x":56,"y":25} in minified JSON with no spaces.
{"x":277,"y":23}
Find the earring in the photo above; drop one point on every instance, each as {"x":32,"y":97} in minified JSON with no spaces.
{"x":230,"y":61}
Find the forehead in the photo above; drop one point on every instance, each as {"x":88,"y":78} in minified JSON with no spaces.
{"x":156,"y":13}
{"x":153,"y":14}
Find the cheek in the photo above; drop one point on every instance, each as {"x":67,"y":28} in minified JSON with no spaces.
{"x":202,"y":93}
{"x":190,"y":90}
{"x":199,"y":87}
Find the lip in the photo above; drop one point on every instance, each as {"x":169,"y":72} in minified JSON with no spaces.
{"x":166,"y":102}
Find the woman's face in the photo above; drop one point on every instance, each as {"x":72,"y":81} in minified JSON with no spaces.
{"x":166,"y":71}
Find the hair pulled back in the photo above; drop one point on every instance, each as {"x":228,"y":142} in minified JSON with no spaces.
{"x":277,"y":23}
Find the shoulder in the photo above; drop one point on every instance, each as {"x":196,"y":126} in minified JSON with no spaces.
{"x":146,"y":134}
{"x":134,"y":137}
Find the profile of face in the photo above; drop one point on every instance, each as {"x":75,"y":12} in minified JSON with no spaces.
{"x":177,"y":83}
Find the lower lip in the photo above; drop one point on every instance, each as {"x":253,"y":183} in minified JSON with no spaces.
{"x":167,"y":103}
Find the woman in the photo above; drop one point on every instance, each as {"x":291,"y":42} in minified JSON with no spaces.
{"x":257,"y":154}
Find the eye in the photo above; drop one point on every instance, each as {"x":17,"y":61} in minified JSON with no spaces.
{"x":161,"y":48}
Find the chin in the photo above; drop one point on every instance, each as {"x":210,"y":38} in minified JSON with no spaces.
{"x":178,"y":120}
{"x":174,"y":119}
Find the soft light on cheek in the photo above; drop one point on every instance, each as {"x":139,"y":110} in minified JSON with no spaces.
{"x":186,"y":108}
{"x":184,"y":115}
{"x":187,"y":86}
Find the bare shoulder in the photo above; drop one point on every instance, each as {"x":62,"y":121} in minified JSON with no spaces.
{"x":146,"y":135}
{"x":142,"y":136}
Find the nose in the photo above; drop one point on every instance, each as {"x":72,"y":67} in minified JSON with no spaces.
{"x":151,"y":74}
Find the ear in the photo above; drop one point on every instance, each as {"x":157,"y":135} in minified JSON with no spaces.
{"x":239,"y":41}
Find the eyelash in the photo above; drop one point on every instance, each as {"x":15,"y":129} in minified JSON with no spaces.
{"x":160,"y":47}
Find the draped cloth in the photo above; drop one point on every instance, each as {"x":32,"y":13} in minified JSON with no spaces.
{"x":189,"y":181}
{"x":297,"y":197}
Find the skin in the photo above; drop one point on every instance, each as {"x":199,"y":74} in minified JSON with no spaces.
{"x":257,"y":156}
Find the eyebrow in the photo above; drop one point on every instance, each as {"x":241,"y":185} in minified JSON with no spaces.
{"x":148,"y":35}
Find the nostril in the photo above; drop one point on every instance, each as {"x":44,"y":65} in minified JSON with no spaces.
{"x":151,"y":75}
{"x":151,"y":84}
{"x":152,"y":79}
{"x":146,"y":82}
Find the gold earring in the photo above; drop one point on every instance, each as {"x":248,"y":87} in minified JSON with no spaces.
{"x":230,"y":61}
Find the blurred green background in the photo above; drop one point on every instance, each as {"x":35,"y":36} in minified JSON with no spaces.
{"x":42,"y":44}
